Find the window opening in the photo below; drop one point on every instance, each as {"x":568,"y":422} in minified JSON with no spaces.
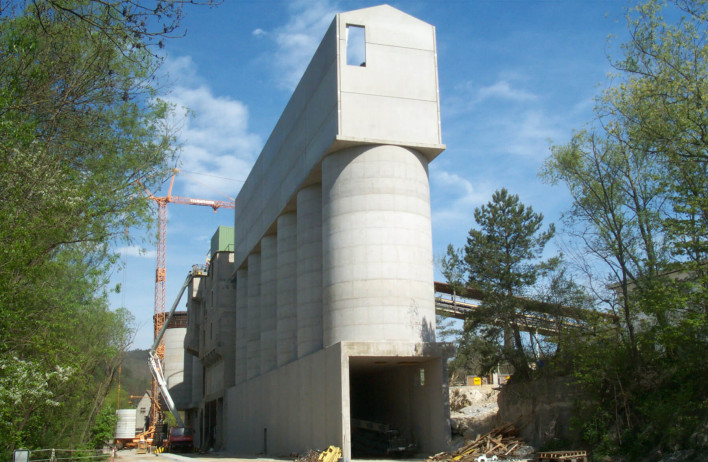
{"x":356,"y":46}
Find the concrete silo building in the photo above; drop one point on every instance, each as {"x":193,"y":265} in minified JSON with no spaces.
{"x":321,"y":329}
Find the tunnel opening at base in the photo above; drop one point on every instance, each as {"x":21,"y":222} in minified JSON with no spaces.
{"x":390,"y":404}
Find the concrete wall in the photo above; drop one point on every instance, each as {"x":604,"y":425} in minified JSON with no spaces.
{"x":299,"y":405}
{"x":393,"y":100}
{"x":306,"y":403}
{"x":333,"y":255}
{"x":209,"y":363}
{"x":174,"y":366}
{"x":306,"y":129}
{"x":378,"y":273}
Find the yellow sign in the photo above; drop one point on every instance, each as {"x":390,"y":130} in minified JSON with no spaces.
{"x":477,"y":381}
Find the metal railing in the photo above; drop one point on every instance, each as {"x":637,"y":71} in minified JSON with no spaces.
{"x":56,"y":455}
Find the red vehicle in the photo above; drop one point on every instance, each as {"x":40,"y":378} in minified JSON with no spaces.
{"x":181,"y":439}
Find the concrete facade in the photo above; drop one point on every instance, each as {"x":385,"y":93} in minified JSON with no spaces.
{"x":209,"y":347}
{"x":332,"y":320}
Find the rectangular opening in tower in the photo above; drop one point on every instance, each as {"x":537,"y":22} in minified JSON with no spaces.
{"x":391,"y":399}
{"x":356,"y":45}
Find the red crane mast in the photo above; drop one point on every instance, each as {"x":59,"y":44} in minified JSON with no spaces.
{"x":161,"y":270}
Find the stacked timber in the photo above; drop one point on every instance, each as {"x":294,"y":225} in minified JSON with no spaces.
{"x":502,"y":442}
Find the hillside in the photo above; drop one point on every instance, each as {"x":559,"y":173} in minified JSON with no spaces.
{"x":135,"y":379}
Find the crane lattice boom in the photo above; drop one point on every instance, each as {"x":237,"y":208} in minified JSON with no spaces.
{"x":161,"y":270}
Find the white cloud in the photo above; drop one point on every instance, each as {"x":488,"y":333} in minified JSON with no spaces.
{"x":503,"y":90}
{"x":136,"y":251}
{"x":470,"y":93}
{"x":259,"y":32}
{"x":298,"y":39}
{"x":216,"y":142}
{"x":456,"y":198}
{"x":529,"y":133}
{"x":181,"y":70}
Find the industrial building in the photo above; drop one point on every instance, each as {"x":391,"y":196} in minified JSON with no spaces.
{"x":314,"y":324}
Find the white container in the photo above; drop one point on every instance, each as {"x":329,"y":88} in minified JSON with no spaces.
{"x":125,"y":427}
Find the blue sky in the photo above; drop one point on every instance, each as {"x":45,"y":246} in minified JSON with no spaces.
{"x":515,"y":76}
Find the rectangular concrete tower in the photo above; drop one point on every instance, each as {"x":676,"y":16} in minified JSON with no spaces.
{"x":334,"y":306}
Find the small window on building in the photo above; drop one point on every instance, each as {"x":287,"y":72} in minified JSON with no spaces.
{"x":356,"y":46}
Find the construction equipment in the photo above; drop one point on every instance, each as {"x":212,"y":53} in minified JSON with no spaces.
{"x":376,"y":439}
{"x":147,"y":437}
{"x":156,"y":363}
{"x":161,"y":274}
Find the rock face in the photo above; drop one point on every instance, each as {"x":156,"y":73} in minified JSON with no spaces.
{"x":473,"y":410}
{"x":541,"y":409}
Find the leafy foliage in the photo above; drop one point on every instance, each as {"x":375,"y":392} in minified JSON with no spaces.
{"x":640,"y":211}
{"x":104,"y":426}
{"x":502,"y":264}
{"x":79,"y":124}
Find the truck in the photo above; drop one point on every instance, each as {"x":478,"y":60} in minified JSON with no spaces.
{"x":181,"y":439}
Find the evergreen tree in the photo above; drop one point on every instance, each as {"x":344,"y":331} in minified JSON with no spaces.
{"x":503,"y":259}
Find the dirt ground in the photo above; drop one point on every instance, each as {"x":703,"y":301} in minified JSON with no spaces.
{"x":129,"y":455}
{"x":474,"y":413}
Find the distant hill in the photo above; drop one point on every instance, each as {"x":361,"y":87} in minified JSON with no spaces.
{"x":135,"y":375}
{"x":135,"y":379}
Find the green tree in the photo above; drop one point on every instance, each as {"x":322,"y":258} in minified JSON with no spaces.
{"x":454,"y":270}
{"x":80,"y":122}
{"x":104,"y":427}
{"x":475,"y":355}
{"x":640,"y":210}
{"x":503,"y":259}
{"x":618,"y":200}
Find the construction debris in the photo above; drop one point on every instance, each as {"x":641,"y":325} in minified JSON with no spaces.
{"x":502,"y":442}
{"x":564,"y":456}
{"x":331,"y":454}
{"x":309,"y":456}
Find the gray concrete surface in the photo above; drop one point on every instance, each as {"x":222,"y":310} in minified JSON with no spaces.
{"x":129,"y":455}
{"x":335,"y":214}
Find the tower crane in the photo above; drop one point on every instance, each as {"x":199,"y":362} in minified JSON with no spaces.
{"x":161,"y":274}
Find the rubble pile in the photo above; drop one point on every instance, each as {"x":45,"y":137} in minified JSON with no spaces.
{"x":502,"y":442}
{"x":309,"y":456}
{"x":473,"y":410}
{"x":331,"y":454}
{"x":458,"y":400}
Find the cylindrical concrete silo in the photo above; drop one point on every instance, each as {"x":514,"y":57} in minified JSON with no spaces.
{"x":309,"y":270}
{"x":253,"y":334}
{"x":241,"y":324}
{"x":286,"y":289}
{"x":174,"y":362}
{"x":377,"y":239}
{"x":269,"y":267}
